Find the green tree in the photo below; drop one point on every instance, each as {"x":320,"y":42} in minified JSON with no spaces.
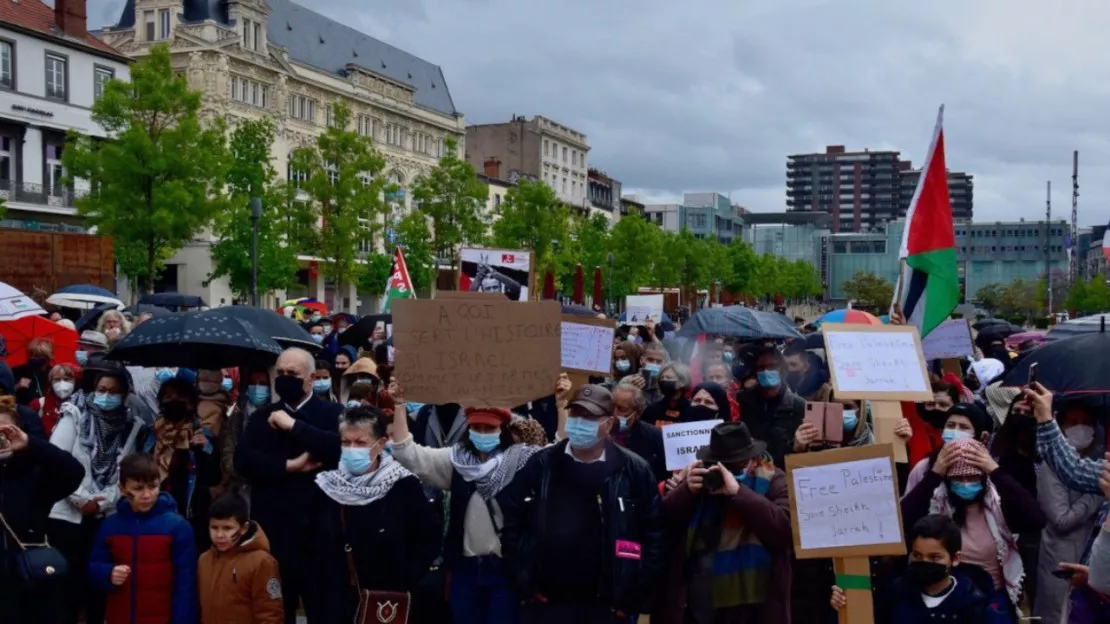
{"x":635,"y":245}
{"x":1020,"y":298}
{"x":346,"y":192}
{"x":691,"y":259}
{"x":805,"y":280}
{"x":533,"y":218}
{"x":744,"y":267}
{"x":869,"y":290}
{"x":377,"y":270}
{"x":415,"y":238}
{"x":159,"y":183}
{"x":665,"y":271}
{"x":251,"y":174}
{"x":588,"y":246}
{"x":1095,"y":296}
{"x":989,"y":296}
{"x":1077,"y":297}
{"x":455,"y":200}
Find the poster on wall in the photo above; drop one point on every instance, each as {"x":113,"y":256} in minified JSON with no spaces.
{"x":503,"y":271}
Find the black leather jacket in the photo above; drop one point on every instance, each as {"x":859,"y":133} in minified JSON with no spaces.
{"x":631,"y":514}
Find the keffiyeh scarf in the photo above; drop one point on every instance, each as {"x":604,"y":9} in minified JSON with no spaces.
{"x":168,"y":438}
{"x":1008,"y":556}
{"x":357,"y":490}
{"x":492,"y":475}
{"x":103,"y":434}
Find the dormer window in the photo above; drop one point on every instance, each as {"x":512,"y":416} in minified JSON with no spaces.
{"x":252,"y":35}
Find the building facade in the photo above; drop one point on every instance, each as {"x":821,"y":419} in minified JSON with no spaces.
{"x":277,"y":59}
{"x":630,"y":205}
{"x":862,"y":191}
{"x":51,"y":72}
{"x":538,"y":148}
{"x":790,"y":235}
{"x":705,"y":215}
{"x":604,"y":194}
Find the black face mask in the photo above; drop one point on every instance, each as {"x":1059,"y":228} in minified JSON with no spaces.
{"x":927,"y":573}
{"x":38,"y":363}
{"x":668,"y":387}
{"x":175,"y":411}
{"x":289,"y":388}
{"x":698,"y":413}
{"x":934,"y":418}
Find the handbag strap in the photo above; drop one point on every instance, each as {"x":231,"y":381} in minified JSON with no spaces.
{"x":352,"y":571}
{"x":19,"y":542}
{"x":492,"y":518}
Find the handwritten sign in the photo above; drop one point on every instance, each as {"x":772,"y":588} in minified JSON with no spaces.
{"x":950,"y":339}
{"x":638,"y":308}
{"x":682,"y":441}
{"x":587,"y":344}
{"x":878,"y":362}
{"x":845,"y":503}
{"x":491,"y":353}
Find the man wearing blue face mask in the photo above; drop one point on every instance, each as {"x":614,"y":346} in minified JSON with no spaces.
{"x":582,"y":532}
{"x":771,"y":410}
{"x":633,"y":433}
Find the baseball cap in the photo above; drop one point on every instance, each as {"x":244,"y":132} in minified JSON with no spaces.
{"x":594,"y":399}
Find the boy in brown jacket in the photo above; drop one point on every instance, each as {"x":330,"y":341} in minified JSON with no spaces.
{"x":237,"y":578}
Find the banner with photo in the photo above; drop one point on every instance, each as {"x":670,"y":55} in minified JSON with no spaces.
{"x":506,"y":271}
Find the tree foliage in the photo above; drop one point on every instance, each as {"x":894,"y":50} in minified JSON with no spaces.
{"x":1089,"y":297}
{"x":454,"y":198}
{"x":251,"y":174}
{"x":159,"y":182}
{"x":990,"y":296}
{"x":634,"y":243}
{"x":1020,"y":298}
{"x":346,"y":193}
{"x":869,"y":290}
{"x":588,"y":245}
{"x":533,"y":218}
{"x":415,"y":238}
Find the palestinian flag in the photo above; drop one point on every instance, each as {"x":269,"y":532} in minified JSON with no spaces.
{"x":399,"y":285}
{"x":928,"y":287}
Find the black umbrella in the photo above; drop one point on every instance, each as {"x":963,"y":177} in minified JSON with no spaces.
{"x":173,"y":301}
{"x":358,"y":335}
{"x":577,"y":310}
{"x":996,"y":326}
{"x":198,"y":340}
{"x":816,"y":340}
{"x":739,"y":322}
{"x":1075,"y":364}
{"x":285,"y":331}
{"x":146,"y":308}
{"x":89,"y":319}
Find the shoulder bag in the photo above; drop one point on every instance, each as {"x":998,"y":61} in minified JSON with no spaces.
{"x":36,"y":563}
{"x":374,"y":606}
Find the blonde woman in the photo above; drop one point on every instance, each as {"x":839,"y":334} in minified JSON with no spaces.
{"x":113,"y":325}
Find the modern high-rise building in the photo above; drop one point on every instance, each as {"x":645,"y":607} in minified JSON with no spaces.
{"x":863,"y":191}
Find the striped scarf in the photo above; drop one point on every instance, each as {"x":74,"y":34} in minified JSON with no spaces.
{"x":738,"y":566}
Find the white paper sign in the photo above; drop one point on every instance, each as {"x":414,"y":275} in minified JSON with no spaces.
{"x":587,"y":347}
{"x":950,"y":339}
{"x":848,"y":504}
{"x":638,"y":308}
{"x":863,"y":362}
{"x":682,"y":441}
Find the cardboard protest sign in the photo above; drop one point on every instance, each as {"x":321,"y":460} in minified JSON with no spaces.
{"x":491,"y":353}
{"x":682,"y":441}
{"x":466,"y":294}
{"x":950,"y":339}
{"x":844,"y":503}
{"x":587,"y":344}
{"x":877,"y":362}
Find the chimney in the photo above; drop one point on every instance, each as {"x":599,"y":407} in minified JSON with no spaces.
{"x":492,"y":168}
{"x":69,"y":15}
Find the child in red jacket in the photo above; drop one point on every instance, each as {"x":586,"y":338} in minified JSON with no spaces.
{"x":145,"y":536}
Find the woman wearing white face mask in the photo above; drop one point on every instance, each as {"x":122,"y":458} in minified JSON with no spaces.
{"x":60,"y":394}
{"x":374,"y":519}
{"x":1070,"y":515}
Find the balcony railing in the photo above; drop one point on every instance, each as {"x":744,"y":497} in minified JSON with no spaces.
{"x":57,"y":195}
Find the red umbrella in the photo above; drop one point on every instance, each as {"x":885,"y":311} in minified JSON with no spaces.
{"x":598,"y":298}
{"x":19,"y":333}
{"x":578,"y":286}
{"x":549,"y":285}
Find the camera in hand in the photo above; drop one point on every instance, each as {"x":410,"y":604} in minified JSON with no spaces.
{"x":713,"y":481}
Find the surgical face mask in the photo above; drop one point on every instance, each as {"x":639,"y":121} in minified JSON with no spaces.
{"x":387,"y":448}
{"x":851,"y":419}
{"x":351,"y":404}
{"x":966,"y":491}
{"x":356,"y":460}
{"x":769,"y":378}
{"x":321,"y":386}
{"x":1080,"y":436}
{"x":948,"y":435}
{"x":317,"y":338}
{"x":258,"y":395}
{"x":623,"y":365}
{"x":727,"y":356}
{"x":63,"y":389}
{"x":316,"y":318}
{"x":652,"y":369}
{"x":581,"y":432}
{"x":82,"y":357}
{"x":164,"y":374}
{"x":485,"y":442}
{"x":623,"y":420}
{"x":327,"y":328}
{"x":226,"y":384}
{"x":107,"y":402}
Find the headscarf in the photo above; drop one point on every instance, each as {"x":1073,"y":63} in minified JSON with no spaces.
{"x":633,"y":352}
{"x":720,"y":397}
{"x":986,"y":371}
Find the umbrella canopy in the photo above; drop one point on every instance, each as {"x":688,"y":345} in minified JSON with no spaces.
{"x":577,"y":310}
{"x":358,"y":335}
{"x":1075,"y":327}
{"x":579,"y":285}
{"x":307,"y":303}
{"x":816,"y":340}
{"x":549,"y":285}
{"x":89,"y":319}
{"x":1036,"y":337}
{"x":1075,"y":364}
{"x":146,"y":308}
{"x":739,"y":322}
{"x":598,"y":297}
{"x":285,"y":331}
{"x":15,"y":305}
{"x":19,"y":333}
{"x":996,"y":325}
{"x":79,"y":301}
{"x":853,"y":317}
{"x":86,"y":289}
{"x":197,"y":340}
{"x":173,"y":301}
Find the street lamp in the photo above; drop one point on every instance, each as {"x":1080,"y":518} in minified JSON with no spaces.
{"x":256,"y":214}
{"x":609,"y":284}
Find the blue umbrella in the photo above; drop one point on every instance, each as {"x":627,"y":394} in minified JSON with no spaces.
{"x":86,"y":289}
{"x":739,"y":322}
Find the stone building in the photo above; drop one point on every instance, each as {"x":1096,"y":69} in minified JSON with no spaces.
{"x":278,"y":59}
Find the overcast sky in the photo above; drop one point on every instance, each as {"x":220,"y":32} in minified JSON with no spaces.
{"x":713,"y":95}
